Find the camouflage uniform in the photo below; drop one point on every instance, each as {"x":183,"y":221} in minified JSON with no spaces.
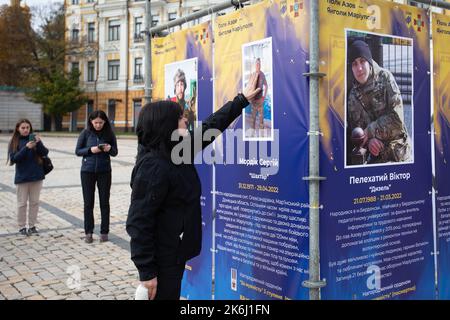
{"x":377,"y":106}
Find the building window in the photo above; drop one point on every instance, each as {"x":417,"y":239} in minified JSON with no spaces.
{"x":138,"y":70}
{"x":137,"y":106}
{"x":75,"y":2}
{"x":416,"y":4}
{"x":155,"y":20}
{"x":91,"y":71}
{"x":172,"y":16}
{"x":112,"y":111}
{"x":195,"y":21}
{"x":75,"y":67}
{"x":138,"y":29}
{"x":90,"y":108}
{"x":114,"y":30}
{"x":91,"y":32}
{"x":113,"y":69}
{"x":90,"y":1}
{"x":75,"y":34}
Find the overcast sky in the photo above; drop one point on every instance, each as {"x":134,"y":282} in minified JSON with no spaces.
{"x":33,"y":2}
{"x":37,"y":20}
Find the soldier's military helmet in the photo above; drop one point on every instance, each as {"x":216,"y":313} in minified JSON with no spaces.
{"x":359,"y":49}
{"x":179,"y":76}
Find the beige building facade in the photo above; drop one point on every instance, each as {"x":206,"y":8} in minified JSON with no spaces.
{"x":105,"y":44}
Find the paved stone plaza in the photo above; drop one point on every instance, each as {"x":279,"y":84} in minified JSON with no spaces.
{"x":58,"y":264}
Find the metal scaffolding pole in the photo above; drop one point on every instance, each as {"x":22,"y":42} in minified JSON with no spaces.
{"x":201,"y":13}
{"x":314,"y":283}
{"x":149,"y":31}
{"x":198,"y":14}
{"x":148,"y":55}
{"x":435,"y":3}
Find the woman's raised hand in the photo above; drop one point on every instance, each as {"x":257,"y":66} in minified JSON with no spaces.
{"x":251,"y":89}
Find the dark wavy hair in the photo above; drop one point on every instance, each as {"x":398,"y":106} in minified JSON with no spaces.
{"x":157,"y":121}
{"x":106,"y":132}
{"x":14,"y":142}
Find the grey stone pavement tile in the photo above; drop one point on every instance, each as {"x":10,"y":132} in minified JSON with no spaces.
{"x":57,"y":264}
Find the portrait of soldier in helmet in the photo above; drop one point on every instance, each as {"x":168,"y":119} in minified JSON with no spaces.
{"x":181,"y":87}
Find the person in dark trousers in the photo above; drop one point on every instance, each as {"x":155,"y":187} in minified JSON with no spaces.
{"x":26,"y":151}
{"x":96,"y":145}
{"x":164,"y":219}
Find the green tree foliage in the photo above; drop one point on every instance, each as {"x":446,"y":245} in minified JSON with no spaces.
{"x":59,"y":92}
{"x":33,"y":60}
{"x":16,"y":45}
{"x":50,"y":42}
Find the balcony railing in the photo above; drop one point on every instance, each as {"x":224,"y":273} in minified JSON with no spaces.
{"x":83,"y":41}
{"x":138,"y":37}
{"x":138,"y":78}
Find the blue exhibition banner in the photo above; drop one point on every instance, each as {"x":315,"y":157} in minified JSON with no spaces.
{"x":260,"y":197}
{"x":441,"y":89}
{"x":185,"y":57}
{"x":197,"y":280}
{"x":376,"y":230}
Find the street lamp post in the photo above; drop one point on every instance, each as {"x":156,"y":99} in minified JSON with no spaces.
{"x":148,"y":54}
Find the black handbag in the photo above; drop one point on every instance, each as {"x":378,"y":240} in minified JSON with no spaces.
{"x":47,"y":164}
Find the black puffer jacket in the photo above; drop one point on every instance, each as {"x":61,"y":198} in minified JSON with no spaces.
{"x":164,"y":218}
{"x":98,"y":162}
{"x":27,"y":167}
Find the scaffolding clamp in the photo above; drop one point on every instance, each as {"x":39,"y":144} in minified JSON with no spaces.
{"x":314,"y":133}
{"x":314,"y":74}
{"x":314,"y":284}
{"x":314,"y":178}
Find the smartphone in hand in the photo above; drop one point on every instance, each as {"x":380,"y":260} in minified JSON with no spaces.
{"x":102,"y":146}
{"x":32,"y":137}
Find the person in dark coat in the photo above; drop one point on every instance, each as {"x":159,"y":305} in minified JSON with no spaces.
{"x":164,"y":219}
{"x":96,"y":145}
{"x":26,"y":151}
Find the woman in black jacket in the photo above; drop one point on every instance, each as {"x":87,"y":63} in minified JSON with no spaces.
{"x":26,"y":151}
{"x":96,"y":144}
{"x":164,"y":218}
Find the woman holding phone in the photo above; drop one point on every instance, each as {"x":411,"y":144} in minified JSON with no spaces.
{"x":26,"y":151}
{"x":96,"y":144}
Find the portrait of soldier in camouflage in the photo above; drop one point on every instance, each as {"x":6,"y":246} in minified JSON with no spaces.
{"x":188,"y":106}
{"x":375,"y":120}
